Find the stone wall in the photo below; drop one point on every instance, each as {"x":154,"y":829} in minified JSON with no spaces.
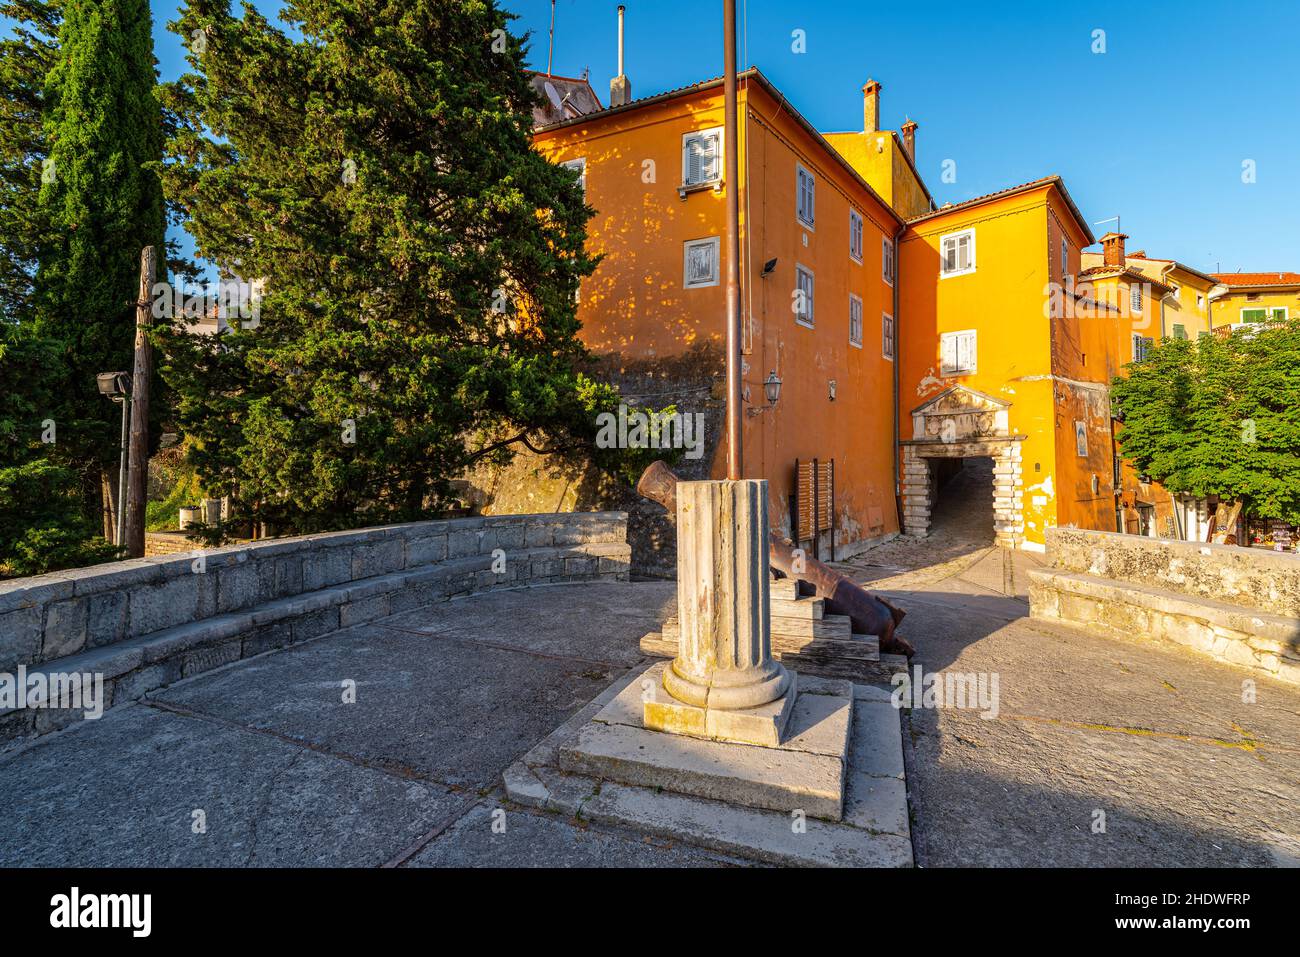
{"x":692,"y":382}
{"x":1237,"y":605}
{"x":147,"y":622}
{"x":1251,"y":577}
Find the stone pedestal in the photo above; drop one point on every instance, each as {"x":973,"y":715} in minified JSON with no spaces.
{"x":723,"y":684}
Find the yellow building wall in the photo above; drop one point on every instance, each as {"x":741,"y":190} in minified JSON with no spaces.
{"x":879,"y":159}
{"x":1004,"y":301}
{"x":1227,"y":309}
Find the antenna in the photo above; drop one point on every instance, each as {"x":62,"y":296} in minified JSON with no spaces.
{"x":550,"y":49}
{"x":1118,"y":229}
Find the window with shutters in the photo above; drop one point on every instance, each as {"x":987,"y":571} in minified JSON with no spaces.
{"x":887,"y":260}
{"x":1180,"y":331}
{"x":1141,"y":346}
{"x":855,"y":321}
{"x":1277,"y":314}
{"x":579,"y":166}
{"x":855,"y":235}
{"x":957,"y":353}
{"x":1065,"y":259}
{"x":805,"y":196}
{"x":887,"y":335}
{"x":1135,"y":299}
{"x":803,"y":296}
{"x":957,"y":253}
{"x":702,"y":157}
{"x":701,"y":263}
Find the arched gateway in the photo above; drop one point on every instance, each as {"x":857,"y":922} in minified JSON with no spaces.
{"x":962,"y":423}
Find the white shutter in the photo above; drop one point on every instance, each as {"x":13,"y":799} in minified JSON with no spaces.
{"x":948,"y":353}
{"x":709,"y":158}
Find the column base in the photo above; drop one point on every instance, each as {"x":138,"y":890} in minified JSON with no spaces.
{"x":763,"y":725}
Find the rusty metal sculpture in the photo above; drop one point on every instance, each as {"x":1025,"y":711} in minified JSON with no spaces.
{"x":870,"y":614}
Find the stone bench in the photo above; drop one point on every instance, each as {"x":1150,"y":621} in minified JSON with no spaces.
{"x":1224,"y":602}
{"x":146,"y":623}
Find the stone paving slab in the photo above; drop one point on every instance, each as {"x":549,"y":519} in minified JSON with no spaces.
{"x":538,"y":839}
{"x":454,"y":711}
{"x":121,"y":792}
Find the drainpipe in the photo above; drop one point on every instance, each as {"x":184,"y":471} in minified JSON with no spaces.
{"x":898,"y":352}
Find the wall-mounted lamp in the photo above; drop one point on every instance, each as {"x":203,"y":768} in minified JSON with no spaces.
{"x":772,"y":390}
{"x":768,"y":268}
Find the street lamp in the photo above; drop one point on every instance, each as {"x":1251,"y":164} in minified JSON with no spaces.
{"x":117,"y":387}
{"x":772,"y":390}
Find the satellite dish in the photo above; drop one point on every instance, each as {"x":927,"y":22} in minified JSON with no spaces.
{"x":552,"y":94}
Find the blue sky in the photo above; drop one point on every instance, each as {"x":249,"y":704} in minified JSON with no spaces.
{"x":1155,"y":129}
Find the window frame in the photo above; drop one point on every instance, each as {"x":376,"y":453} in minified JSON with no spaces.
{"x":888,"y":260}
{"x":856,"y":218}
{"x":716,"y":131}
{"x":1136,"y":299}
{"x":943,"y":259}
{"x":974,"y":353}
{"x":1141,"y":346}
{"x":799,"y":168}
{"x":716,"y":243}
{"x":1065,"y":258}
{"x":888,"y":336}
{"x":810,"y":320}
{"x":1268,"y":312}
{"x":855,"y":299}
{"x":579,"y":163}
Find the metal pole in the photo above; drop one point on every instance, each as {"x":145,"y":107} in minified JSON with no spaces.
{"x":735,"y":461}
{"x":121,"y":473}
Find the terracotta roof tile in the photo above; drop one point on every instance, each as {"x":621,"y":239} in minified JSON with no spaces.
{"x":1258,"y":278}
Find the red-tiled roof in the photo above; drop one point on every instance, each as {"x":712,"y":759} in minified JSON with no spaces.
{"x":1127,"y":272}
{"x":1258,"y":278}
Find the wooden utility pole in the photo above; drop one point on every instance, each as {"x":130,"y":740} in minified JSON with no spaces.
{"x":138,"y":463}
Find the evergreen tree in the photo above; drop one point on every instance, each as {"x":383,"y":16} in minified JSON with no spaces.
{"x":421,"y":260}
{"x":1219,"y":417}
{"x":102,"y":196}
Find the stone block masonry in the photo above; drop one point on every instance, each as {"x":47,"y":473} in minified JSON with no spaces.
{"x":1240,"y":606}
{"x":144,"y":623}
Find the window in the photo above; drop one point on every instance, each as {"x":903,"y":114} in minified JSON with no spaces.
{"x":1065,"y":259}
{"x":957,"y":353}
{"x":579,"y":166}
{"x":1180,"y":331}
{"x":1081,"y":439}
{"x":803,"y":296}
{"x":887,"y":335}
{"x":957,"y":253}
{"x":1200,"y":301}
{"x":700,"y":267}
{"x":855,"y":235}
{"x":805,"y":196}
{"x":1178,"y":293}
{"x":1141,"y":346}
{"x":887,"y":260}
{"x":1276,"y":314}
{"x":702,"y":157}
{"x":855,"y":321}
{"x":1135,"y":299}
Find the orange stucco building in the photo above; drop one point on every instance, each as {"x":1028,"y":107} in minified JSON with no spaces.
{"x":817,"y":287}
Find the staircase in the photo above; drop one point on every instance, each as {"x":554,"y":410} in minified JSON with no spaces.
{"x":804,"y":638}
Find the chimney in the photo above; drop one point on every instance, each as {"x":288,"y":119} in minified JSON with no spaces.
{"x":1112,"y":249}
{"x":908,"y":130}
{"x":620,"y":88}
{"x":871,"y":107}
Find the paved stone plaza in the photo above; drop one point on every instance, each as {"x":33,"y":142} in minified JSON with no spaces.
{"x":449,"y":696}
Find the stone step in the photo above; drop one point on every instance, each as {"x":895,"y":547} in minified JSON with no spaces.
{"x":786,"y":589}
{"x":808,"y":608}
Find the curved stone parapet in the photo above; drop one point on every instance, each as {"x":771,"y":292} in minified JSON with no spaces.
{"x":145,"y":623}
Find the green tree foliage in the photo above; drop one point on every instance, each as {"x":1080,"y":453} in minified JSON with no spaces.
{"x":421,"y":260}
{"x":42,"y":526}
{"x":25,"y":60}
{"x":103,"y":200}
{"x":1220,"y":416}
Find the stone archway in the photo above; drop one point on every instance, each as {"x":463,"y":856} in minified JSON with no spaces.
{"x":962,"y":423}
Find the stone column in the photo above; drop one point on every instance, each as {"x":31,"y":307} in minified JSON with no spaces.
{"x":723,"y":683}
{"x":1008,"y":497}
